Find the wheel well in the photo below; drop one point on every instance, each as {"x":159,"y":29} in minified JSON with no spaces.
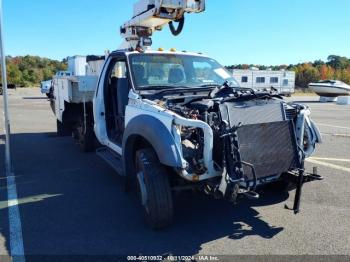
{"x":133,"y":144}
{"x":140,"y":143}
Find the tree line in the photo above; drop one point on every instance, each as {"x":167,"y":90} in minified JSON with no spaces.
{"x":24,"y":71}
{"x":28,"y":70}
{"x":336,"y":67}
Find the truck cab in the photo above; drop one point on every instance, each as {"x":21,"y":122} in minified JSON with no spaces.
{"x":131,"y":78}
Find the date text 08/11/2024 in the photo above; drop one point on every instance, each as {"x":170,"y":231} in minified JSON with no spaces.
{"x":173,"y":258}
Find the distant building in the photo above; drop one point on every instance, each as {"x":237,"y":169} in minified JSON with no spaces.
{"x":283,"y":81}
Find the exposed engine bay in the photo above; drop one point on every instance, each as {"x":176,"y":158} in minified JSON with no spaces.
{"x":245,"y":113}
{"x":258,"y":136}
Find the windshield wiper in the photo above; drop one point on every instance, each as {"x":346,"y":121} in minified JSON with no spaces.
{"x":158,"y":91}
{"x":185,"y":89}
{"x":164,"y":88}
{"x":153,"y":88}
{"x":211,"y":85}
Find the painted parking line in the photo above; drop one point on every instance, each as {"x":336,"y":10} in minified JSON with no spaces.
{"x":330,"y":159}
{"x":329,"y":109}
{"x":342,"y":127}
{"x":321,"y":163}
{"x":341,"y":135}
{"x":336,"y":135}
{"x":16,"y":238}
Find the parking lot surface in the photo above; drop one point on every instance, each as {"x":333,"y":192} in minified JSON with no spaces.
{"x":73,"y":203}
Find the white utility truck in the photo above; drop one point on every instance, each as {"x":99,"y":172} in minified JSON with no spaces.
{"x":170,"y":121}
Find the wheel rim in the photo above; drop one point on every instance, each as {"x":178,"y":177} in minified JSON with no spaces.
{"x":142,"y":190}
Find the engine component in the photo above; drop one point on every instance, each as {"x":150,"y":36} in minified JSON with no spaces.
{"x":202,"y":105}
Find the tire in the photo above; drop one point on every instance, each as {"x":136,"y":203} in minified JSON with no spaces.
{"x":1,"y":91}
{"x":86,"y":139}
{"x":154,"y":189}
{"x":51,"y":93}
{"x":63,"y":129}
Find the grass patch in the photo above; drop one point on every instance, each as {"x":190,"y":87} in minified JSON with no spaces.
{"x":304,"y":92}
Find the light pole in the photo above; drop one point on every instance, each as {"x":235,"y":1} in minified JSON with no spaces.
{"x":8,"y":164}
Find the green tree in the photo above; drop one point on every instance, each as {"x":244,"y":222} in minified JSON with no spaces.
{"x":338,"y":62}
{"x":14,"y":74}
{"x":306,"y":74}
{"x":31,"y":70}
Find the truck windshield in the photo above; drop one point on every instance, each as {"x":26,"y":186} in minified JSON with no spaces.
{"x":166,"y":71}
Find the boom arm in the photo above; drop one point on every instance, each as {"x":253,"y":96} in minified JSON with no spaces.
{"x":152,"y":15}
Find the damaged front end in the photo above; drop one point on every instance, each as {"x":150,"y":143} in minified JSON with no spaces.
{"x":242,"y":140}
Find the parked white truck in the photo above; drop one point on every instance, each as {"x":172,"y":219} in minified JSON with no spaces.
{"x":169,"y":121}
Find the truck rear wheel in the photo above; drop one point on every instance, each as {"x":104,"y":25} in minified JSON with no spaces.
{"x":154,"y":189}
{"x":63,"y":129}
{"x":86,"y":138}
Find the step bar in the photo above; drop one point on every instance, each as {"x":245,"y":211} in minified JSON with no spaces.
{"x":112,"y":158}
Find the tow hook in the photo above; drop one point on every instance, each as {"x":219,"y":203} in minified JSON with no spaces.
{"x":314,"y":176}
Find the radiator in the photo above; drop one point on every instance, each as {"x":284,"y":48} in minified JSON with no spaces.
{"x":266,"y":138}
{"x":270,"y":147}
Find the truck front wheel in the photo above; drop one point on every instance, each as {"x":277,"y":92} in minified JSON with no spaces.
{"x":154,"y":189}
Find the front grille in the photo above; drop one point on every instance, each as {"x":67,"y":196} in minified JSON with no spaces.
{"x":270,"y":147}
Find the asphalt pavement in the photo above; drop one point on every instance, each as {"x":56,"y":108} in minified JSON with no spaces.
{"x":73,"y":203}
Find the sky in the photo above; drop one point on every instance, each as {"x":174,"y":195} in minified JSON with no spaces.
{"x":268,"y":32}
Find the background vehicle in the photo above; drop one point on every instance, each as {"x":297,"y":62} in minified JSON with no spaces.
{"x":283,"y":81}
{"x":330,"y":88}
{"x":45,"y":87}
{"x":173,"y":121}
{"x":9,"y":86}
